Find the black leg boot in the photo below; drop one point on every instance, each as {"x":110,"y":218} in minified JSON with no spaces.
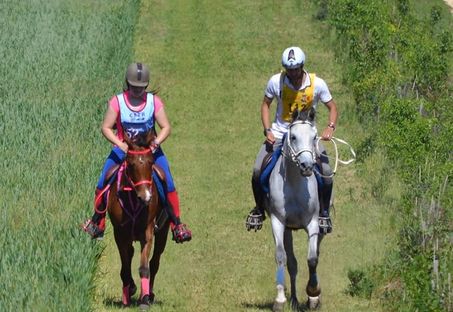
{"x":257,"y":215}
{"x":325,"y":223}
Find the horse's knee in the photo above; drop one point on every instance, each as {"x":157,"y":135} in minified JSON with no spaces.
{"x":280,"y":258}
{"x":312,"y":262}
{"x":143,"y":272}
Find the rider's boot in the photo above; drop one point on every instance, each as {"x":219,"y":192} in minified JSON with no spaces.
{"x":180,"y":231}
{"x":256,"y":215}
{"x":325,"y":223}
{"x":96,"y":225}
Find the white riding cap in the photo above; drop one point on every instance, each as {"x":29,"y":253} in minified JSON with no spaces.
{"x":293,"y":57}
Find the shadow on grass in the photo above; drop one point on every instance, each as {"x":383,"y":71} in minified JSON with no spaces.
{"x":118,"y":304}
{"x":258,"y":306}
{"x":267,"y":306}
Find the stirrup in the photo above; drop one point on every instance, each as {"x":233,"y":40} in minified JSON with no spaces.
{"x":254,"y":220}
{"x":325,"y":225}
{"x":181,"y":233}
{"x":93,"y":230}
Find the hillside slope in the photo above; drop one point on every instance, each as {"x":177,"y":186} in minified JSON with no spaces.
{"x":211,"y":60}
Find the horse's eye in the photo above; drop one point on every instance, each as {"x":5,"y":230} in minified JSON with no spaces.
{"x":293,"y":138}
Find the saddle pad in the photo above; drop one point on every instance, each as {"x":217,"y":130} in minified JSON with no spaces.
{"x":266,"y":172}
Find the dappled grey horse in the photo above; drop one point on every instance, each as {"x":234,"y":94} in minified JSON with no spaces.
{"x":293,"y":204}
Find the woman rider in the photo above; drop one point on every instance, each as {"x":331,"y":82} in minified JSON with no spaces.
{"x":135,"y":101}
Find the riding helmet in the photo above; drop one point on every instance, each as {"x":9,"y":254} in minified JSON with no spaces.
{"x":293,"y":57}
{"x":137,"y":75}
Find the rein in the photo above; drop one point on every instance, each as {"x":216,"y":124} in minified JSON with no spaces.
{"x":334,"y":141}
{"x":294,"y":154}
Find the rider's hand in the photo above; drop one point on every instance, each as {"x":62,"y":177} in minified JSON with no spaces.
{"x":124,"y":147}
{"x":154,"y":146}
{"x":270,"y":140}
{"x":327,"y":134}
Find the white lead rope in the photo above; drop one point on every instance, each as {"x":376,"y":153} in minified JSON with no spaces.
{"x":334,"y":140}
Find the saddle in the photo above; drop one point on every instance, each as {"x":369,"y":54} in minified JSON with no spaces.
{"x":269,"y":162}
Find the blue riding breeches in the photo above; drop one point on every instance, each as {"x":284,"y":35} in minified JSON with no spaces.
{"x":117,"y":156}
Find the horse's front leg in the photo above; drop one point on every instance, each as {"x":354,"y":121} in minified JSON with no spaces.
{"x":143,"y":270}
{"x":278,"y":230}
{"x":126,"y":251}
{"x":292,"y":267}
{"x":313,"y":289}
{"x":160,"y":241}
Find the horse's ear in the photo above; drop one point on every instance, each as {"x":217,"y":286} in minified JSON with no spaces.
{"x":311,"y":114}
{"x":150,"y":136}
{"x":127,"y":138}
{"x":295,"y":115}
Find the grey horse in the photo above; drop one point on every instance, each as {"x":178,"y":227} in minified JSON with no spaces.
{"x":292,"y":205}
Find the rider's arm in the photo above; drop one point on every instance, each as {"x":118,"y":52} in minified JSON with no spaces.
{"x":164,"y":125}
{"x":333,"y":115}
{"x":265,"y":118}
{"x":107,"y":128}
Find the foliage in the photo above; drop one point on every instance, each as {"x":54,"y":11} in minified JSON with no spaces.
{"x":397,"y":63}
{"x":360,"y":284}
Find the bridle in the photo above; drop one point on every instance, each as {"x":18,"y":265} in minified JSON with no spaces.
{"x":293,"y":154}
{"x":142,"y":152}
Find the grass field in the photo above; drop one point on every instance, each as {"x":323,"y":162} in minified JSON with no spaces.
{"x":211,"y":60}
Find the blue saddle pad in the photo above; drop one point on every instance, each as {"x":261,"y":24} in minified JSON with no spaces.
{"x":266,"y":173}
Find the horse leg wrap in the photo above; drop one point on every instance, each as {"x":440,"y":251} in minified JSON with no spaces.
{"x":126,"y":296}
{"x":145,"y":287}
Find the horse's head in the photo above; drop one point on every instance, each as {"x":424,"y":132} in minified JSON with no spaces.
{"x":300,"y":140}
{"x":139,"y":163}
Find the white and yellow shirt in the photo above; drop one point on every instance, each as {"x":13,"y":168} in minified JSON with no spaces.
{"x":313,"y":90}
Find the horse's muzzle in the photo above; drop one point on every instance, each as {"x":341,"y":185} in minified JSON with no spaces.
{"x":306,"y":171}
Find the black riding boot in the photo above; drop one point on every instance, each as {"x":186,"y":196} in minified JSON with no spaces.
{"x":325,"y":223}
{"x":257,"y":215}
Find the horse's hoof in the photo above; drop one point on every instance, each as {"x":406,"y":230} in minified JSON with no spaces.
{"x":144,"y":303}
{"x":278,"y":306}
{"x":294,"y":304}
{"x":313,"y":303}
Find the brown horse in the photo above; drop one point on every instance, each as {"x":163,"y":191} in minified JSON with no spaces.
{"x":134,"y":207}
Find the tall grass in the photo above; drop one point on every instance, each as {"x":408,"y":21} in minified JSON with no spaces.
{"x":60,"y":61}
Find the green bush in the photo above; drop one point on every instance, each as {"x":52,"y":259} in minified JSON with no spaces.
{"x":397,"y":64}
